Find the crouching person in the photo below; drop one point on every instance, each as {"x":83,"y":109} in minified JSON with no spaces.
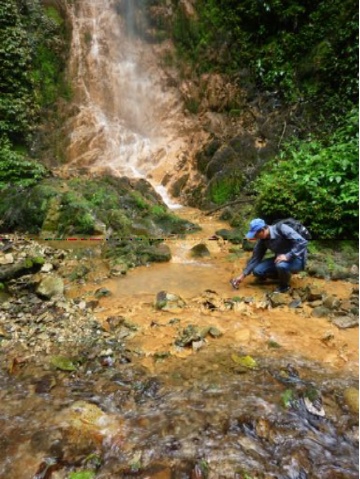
{"x":290,"y":250}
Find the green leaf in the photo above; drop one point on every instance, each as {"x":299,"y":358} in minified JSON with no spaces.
{"x":246,"y":361}
{"x":82,"y":475}
{"x":62,"y":363}
{"x":287,"y":397}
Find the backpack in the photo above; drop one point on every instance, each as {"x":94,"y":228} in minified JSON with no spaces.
{"x":295,"y":225}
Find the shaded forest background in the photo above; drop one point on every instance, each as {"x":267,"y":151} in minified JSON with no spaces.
{"x":299,"y":53}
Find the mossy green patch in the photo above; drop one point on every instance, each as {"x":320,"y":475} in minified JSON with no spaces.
{"x":223,"y":188}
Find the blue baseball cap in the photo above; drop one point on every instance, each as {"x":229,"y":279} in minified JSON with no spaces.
{"x":255,"y":225}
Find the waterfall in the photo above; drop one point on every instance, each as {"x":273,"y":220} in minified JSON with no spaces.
{"x":126,"y":120}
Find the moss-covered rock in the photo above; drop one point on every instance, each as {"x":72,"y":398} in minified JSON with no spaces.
{"x":29,"y":265}
{"x":127,"y":211}
{"x":235,"y":236}
{"x":225,"y":185}
{"x":199,"y":251}
{"x":221,"y":159}
{"x":89,"y":206}
{"x":155,"y":253}
{"x":351,"y":399}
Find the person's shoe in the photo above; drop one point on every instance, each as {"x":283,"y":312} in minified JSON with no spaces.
{"x":234,"y":284}
{"x":282,"y":289}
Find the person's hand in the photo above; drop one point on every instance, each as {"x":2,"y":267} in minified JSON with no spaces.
{"x":236,"y":281}
{"x":281,"y":258}
{"x":239,"y":279}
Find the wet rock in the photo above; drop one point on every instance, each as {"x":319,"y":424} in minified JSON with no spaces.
{"x":79,"y":272}
{"x":320,"y":312}
{"x":318,"y":270}
{"x":262,"y":305}
{"x":235,"y":236}
{"x":331,"y":302}
{"x":354,"y":269}
{"x":47,"y":267}
{"x":157,"y":253}
{"x":115,"y":322}
{"x":44,"y":384}
{"x":178,"y":185}
{"x":316,"y":304}
{"x":212,"y":331}
{"x":45,"y":440}
{"x":351,"y":399}
{"x":199,"y":251}
{"x":352,"y":434}
{"x":223,"y":155}
{"x":86,"y":425}
{"x":313,"y":294}
{"x":168,"y":301}
{"x":277,"y":300}
{"x":50,"y":287}
{"x":295,"y":303}
{"x":215,"y":332}
{"x":119,"y":269}
{"x":355,"y":296}
{"x":99,"y":228}
{"x":314,"y":407}
{"x":189,"y":335}
{"x":263,"y":428}
{"x":345,"y":307}
{"x":7,"y":259}
{"x":102,"y":292}
{"x":196,"y":345}
{"x":340,"y":273}
{"x":92,"y":304}
{"x":345,"y":322}
{"x":21,"y":268}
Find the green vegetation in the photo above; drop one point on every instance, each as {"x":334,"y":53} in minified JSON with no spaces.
{"x":32,"y":58}
{"x":303,"y":51}
{"x":225,"y":187}
{"x":87,"y":207}
{"x":319,"y":184}
{"x":15,"y":169}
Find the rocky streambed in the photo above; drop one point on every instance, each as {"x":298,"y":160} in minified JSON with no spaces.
{"x":150,"y":374}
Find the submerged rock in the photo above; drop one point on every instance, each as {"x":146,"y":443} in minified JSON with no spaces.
{"x":351,"y":399}
{"x":86,"y":425}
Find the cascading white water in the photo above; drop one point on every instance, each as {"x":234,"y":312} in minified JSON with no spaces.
{"x":126,"y":120}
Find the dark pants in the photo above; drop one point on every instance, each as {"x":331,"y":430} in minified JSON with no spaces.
{"x":282,"y":271}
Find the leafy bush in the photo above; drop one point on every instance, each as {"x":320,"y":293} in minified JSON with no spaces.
{"x":316,"y":182}
{"x":15,"y":169}
{"x":32,"y":57}
{"x":304,"y":51}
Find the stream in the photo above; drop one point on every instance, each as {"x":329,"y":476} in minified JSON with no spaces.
{"x":148,"y":407}
{"x":202,"y":418}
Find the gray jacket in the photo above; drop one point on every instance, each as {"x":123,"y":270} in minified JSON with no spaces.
{"x":282,"y":240}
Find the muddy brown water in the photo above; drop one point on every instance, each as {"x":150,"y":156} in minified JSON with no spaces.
{"x":165,"y":411}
